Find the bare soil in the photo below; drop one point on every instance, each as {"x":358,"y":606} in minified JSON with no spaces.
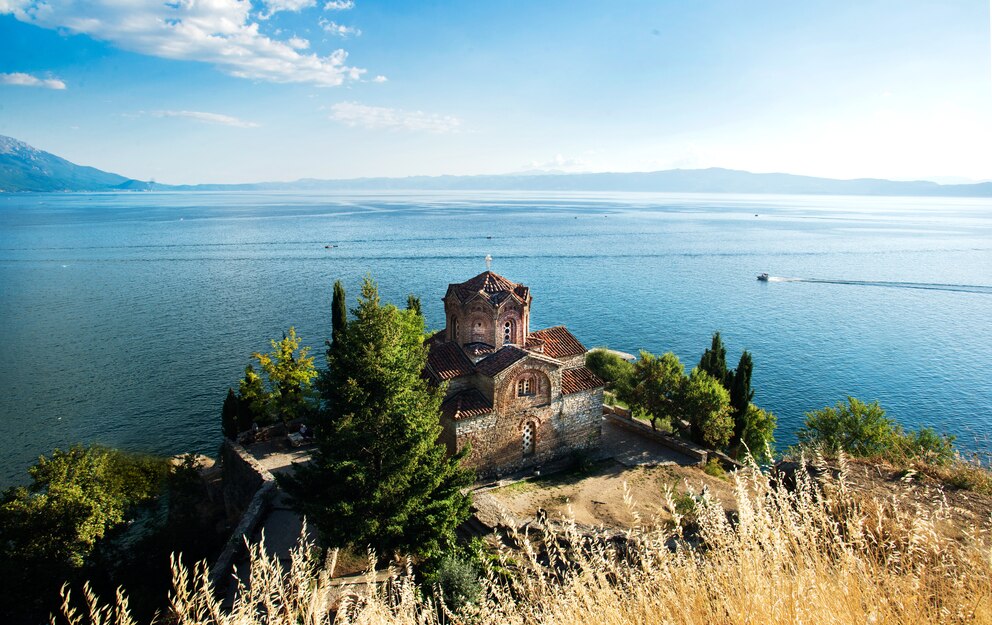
{"x":611,"y":495}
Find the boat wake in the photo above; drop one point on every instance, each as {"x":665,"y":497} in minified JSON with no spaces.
{"x":926,"y":286}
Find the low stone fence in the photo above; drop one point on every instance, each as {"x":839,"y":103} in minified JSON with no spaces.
{"x":697,"y":453}
{"x":248,"y":487}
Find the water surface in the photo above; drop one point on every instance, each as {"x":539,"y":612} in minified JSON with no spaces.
{"x":125,"y":317}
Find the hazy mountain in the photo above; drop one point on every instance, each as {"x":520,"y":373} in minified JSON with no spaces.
{"x":24,"y":168}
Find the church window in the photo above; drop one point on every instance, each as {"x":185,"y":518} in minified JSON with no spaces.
{"x":454,"y":328}
{"x":507,"y":332}
{"x":525,"y":387}
{"x":528,"y":437}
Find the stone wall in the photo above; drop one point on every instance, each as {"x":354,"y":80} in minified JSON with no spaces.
{"x":248,"y":488}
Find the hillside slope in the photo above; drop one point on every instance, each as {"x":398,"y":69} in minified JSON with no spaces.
{"x":24,"y":168}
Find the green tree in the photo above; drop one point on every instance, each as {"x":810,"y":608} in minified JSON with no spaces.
{"x":413,"y":303}
{"x":741,"y":394}
{"x":858,"y":428}
{"x":229,"y":415}
{"x":758,"y":433}
{"x":378,"y":476}
{"x":290,"y":371}
{"x":705,"y":404}
{"x":339,"y":311}
{"x":49,"y":528}
{"x":614,"y":370}
{"x":253,"y":400}
{"x":657,"y":384}
{"x":714,"y":360}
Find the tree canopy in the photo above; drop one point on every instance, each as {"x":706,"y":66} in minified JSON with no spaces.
{"x":378,"y":476}
{"x":614,"y":370}
{"x":656,"y":387}
{"x":705,"y":404}
{"x":49,"y":528}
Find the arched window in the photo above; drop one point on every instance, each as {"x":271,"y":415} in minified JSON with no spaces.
{"x":528,"y":438}
{"x":507,"y":332}
{"x":454,"y":328}
{"x":525,"y":386}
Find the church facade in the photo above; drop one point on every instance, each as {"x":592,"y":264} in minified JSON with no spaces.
{"x":519,"y":398}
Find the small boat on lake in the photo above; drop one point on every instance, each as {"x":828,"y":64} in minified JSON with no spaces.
{"x":763,"y":277}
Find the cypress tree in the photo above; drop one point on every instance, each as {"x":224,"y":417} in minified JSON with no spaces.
{"x":413,"y":303}
{"x":339,"y":311}
{"x":378,"y":477}
{"x":714,"y":361}
{"x":229,"y":415}
{"x":741,"y":394}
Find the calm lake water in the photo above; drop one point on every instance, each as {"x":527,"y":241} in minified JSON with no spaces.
{"x":125,"y":317}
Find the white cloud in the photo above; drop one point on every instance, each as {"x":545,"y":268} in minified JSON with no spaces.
{"x":209,"y":118}
{"x":298,"y":43}
{"x":27,"y":80}
{"x":380,"y":117}
{"x":339,"y":29}
{"x":380,"y":78}
{"x":220,"y":32}
{"x":274,"y":6}
{"x":339,"y":5}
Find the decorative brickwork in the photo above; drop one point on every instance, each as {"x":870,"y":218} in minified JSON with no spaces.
{"x":520,"y":399}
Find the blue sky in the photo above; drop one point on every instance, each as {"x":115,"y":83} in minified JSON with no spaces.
{"x":237,"y":91}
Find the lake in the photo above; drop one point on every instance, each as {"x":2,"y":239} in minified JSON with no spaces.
{"x":124,"y":317}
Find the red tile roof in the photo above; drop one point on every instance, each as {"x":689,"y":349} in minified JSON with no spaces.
{"x":579,"y":379}
{"x":557,"y":341}
{"x":446,"y":361}
{"x":466,"y":404}
{"x":493,"y":285}
{"x":506,"y":356}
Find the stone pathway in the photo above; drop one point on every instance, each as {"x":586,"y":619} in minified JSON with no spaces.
{"x":633,"y":450}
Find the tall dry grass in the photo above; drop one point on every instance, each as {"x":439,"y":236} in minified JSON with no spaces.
{"x":815,"y":554}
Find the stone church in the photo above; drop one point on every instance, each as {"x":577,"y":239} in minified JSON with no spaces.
{"x":520,"y":398}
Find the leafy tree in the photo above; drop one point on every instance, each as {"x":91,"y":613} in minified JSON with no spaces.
{"x":378,"y":476}
{"x":705,"y":404}
{"x":657,"y":384}
{"x":741,"y":394}
{"x":858,"y":428}
{"x":614,"y":370}
{"x":758,"y":433}
{"x":49,"y":529}
{"x":290,"y":371}
{"x":714,"y":360}
{"x":253,"y":400}
{"x":339,"y":311}
{"x":928,"y":446}
{"x":413,"y":303}
{"x":229,"y":415}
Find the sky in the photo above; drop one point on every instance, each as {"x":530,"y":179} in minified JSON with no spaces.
{"x":192,"y":91}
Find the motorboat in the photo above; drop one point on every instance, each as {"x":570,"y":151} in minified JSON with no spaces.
{"x":763,"y":277}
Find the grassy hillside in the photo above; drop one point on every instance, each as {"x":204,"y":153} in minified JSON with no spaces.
{"x":820,"y":552}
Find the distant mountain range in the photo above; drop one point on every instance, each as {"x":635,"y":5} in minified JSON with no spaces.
{"x":24,"y":168}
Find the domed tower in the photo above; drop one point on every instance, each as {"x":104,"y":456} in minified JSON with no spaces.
{"x":487,"y":312}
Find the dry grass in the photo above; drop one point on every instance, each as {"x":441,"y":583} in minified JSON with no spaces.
{"x":817,"y":554}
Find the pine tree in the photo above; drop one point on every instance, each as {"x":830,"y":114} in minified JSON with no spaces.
{"x":378,"y":477}
{"x":741,"y":394}
{"x":229,"y":415}
{"x":714,"y":361}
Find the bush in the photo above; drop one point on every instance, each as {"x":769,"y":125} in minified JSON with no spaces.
{"x":458,"y":582}
{"x":863,"y":430}
{"x":714,"y":468}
